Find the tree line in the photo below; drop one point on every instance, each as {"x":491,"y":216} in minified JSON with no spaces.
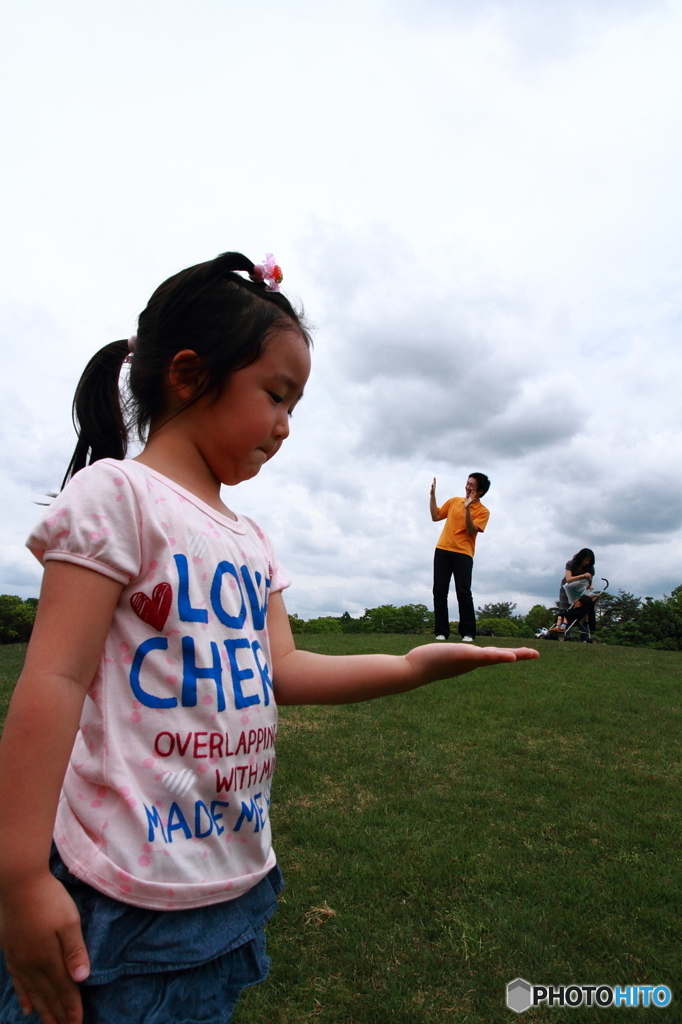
{"x":16,"y":618}
{"x":621,"y":619}
{"x":493,"y":620}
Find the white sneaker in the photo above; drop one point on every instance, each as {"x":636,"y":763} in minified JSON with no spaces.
{"x":467,"y":639}
{"x":441,"y":637}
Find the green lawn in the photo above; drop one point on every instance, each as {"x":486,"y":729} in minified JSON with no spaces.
{"x":523,"y":820}
{"x":11,"y":660}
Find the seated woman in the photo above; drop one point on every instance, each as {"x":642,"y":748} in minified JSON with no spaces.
{"x":580,"y":567}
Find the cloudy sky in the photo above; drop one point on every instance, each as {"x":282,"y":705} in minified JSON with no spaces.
{"x":477,"y":204}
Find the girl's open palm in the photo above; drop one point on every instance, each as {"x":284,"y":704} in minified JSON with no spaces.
{"x":41,"y":938}
{"x":441,"y":661}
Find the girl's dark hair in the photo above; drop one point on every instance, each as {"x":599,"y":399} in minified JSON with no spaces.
{"x":210,"y":309}
{"x":578,"y":559}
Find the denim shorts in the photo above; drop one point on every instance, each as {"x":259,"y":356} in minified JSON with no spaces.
{"x":163,"y":967}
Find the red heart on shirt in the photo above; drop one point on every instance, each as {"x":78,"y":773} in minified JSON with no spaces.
{"x":154,"y":610}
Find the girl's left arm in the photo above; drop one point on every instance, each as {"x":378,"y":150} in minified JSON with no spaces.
{"x":301,"y":677}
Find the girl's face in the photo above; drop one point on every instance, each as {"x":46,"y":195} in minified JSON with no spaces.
{"x":246,"y":425}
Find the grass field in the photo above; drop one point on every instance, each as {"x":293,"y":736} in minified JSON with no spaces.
{"x":524,"y":820}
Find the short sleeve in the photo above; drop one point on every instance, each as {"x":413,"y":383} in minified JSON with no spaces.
{"x":94,"y":522}
{"x":444,"y":509}
{"x":278,"y":578}
{"x":480,"y":517}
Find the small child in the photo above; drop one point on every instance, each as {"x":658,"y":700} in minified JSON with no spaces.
{"x":136,"y":867}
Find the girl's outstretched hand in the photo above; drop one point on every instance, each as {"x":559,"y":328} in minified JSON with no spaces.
{"x":40,"y":934}
{"x":304,"y":677}
{"x":443,"y":661}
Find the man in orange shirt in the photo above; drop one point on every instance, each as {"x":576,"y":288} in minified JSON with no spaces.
{"x":466,"y":517}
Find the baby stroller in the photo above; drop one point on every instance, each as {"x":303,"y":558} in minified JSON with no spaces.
{"x":580,"y":615}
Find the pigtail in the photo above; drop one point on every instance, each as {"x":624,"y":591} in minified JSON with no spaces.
{"x":98,"y":413}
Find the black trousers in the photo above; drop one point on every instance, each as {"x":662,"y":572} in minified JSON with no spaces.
{"x":445,"y":565}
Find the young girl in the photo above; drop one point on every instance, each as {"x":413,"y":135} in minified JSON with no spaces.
{"x":136,"y":866}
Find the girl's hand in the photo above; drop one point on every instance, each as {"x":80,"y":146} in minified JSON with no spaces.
{"x":41,"y":937}
{"x":443,"y":661}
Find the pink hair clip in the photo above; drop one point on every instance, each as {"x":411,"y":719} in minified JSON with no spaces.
{"x":131,"y":348}
{"x":267,"y":272}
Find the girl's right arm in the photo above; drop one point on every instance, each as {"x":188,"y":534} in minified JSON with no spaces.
{"x":40,"y":930}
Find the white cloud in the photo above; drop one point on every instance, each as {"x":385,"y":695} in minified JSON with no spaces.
{"x":479,"y":205}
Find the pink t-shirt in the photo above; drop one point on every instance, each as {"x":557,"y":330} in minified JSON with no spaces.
{"x":165,"y":800}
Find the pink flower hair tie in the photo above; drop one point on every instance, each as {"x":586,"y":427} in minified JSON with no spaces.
{"x":267,"y":273}
{"x":131,"y":348}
